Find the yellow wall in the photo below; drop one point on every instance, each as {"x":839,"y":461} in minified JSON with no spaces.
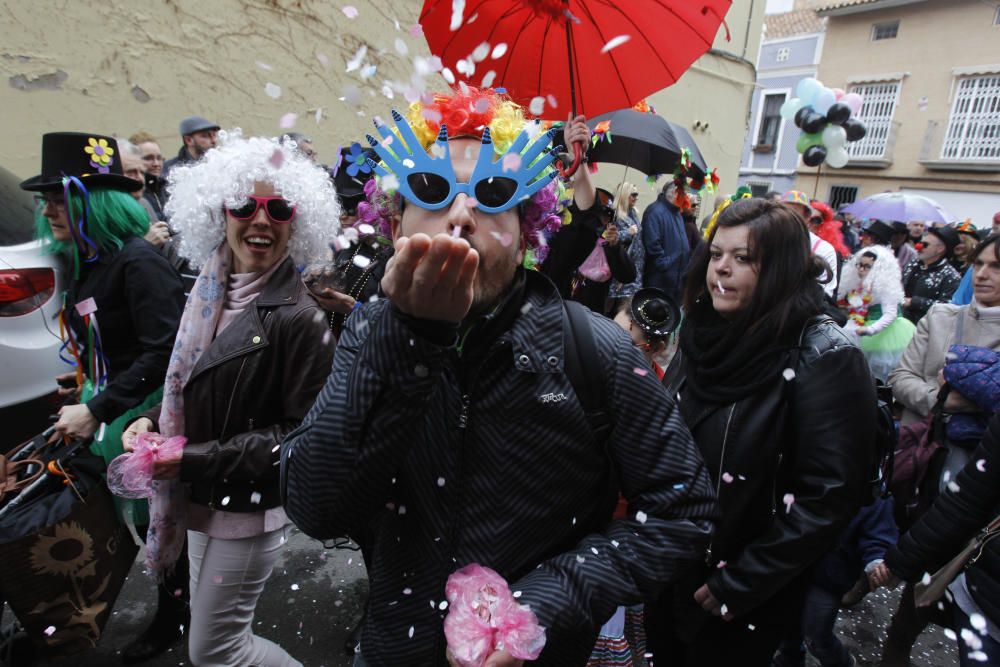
{"x":89,"y":66}
{"x":934,"y":37}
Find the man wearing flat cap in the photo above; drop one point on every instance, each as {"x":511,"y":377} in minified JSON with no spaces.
{"x":199,"y":136}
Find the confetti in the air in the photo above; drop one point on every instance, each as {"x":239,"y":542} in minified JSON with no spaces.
{"x":410,"y":633}
{"x":981,"y":465}
{"x":288,"y":121}
{"x":457,"y":13}
{"x":416,"y":30}
{"x":355,"y":62}
{"x":488,"y":79}
{"x":441,"y":481}
{"x":264,"y":66}
{"x":350,"y":12}
{"x":401,"y":47}
{"x":294,"y":587}
{"x":498,"y":51}
{"x":727,"y":478}
{"x":272,"y":90}
{"x":511,"y":162}
{"x":788,"y":500}
{"x":641,"y":372}
{"x":49,"y":631}
{"x":536,"y":106}
{"x":615,"y":42}
{"x":788,"y":374}
{"x":640,"y":516}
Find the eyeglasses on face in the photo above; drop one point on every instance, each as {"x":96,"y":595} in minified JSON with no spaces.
{"x":278,"y":210}
{"x":59,"y":201}
{"x":865,"y":267}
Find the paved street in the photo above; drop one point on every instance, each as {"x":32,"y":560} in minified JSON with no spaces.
{"x":314,"y":596}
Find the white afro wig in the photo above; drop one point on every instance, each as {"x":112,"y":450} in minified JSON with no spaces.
{"x":225,"y":177}
{"x":884,"y":281}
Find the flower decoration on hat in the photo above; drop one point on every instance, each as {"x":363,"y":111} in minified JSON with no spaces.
{"x":642,"y":106}
{"x":100,"y":154}
{"x":602,"y":132}
{"x":688,"y":180}
{"x":357,"y":162}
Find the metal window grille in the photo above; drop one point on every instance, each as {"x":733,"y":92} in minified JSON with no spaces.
{"x":876,"y":113}
{"x":842,"y":194}
{"x":759,"y":188}
{"x":770,"y":120}
{"x":887,"y":30}
{"x":782,"y":54}
{"x":974,"y":125}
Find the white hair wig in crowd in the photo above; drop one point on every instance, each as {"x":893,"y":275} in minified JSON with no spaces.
{"x":884,"y":281}
{"x":225,"y":177}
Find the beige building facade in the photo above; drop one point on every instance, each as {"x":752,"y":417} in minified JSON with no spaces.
{"x":120,"y":66}
{"x":929,"y":71}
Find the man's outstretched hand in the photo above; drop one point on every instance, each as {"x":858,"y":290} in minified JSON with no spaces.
{"x":432,"y":279}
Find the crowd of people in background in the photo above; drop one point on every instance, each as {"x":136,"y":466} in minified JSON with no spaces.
{"x":664,"y":472}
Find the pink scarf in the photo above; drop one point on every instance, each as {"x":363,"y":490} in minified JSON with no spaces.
{"x":209,"y":306}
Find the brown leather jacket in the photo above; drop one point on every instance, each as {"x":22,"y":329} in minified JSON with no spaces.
{"x":251,"y":387}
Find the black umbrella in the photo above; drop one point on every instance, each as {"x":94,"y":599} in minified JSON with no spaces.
{"x":644,"y":141}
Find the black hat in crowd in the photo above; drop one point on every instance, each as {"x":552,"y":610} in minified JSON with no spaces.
{"x":948,"y":236}
{"x":878,"y":230}
{"x":606,"y":201}
{"x":93,"y":158}
{"x":193,"y":124}
{"x":351,"y":188}
{"x":655,"y":312}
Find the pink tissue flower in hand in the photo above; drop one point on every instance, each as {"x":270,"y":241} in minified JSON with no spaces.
{"x":483,"y":616}
{"x":131,"y":474}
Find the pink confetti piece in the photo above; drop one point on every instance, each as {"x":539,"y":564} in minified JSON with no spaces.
{"x":456,"y":232}
{"x":981,"y":465}
{"x":416,"y":30}
{"x":641,"y":372}
{"x":551,"y":100}
{"x":788,"y":500}
{"x":350,"y":11}
{"x":720,"y":565}
{"x":615,"y":42}
{"x":288,"y":121}
{"x":217,"y":579}
{"x":727,"y":478}
{"x":511,"y":162}
{"x":49,"y":631}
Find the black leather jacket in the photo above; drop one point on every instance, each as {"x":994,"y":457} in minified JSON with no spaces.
{"x":249,"y":389}
{"x":809,"y":440}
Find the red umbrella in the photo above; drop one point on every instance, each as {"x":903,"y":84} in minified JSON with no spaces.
{"x":588,"y":56}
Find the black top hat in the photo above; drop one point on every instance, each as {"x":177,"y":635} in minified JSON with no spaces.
{"x":655,"y":312}
{"x":878,"y":230}
{"x":93,"y":158}
{"x":351,"y":186}
{"x":948,"y":236}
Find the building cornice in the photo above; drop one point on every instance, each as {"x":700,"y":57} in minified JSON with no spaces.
{"x":859,"y":6}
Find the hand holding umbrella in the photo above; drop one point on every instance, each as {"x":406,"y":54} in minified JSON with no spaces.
{"x":577,"y":135}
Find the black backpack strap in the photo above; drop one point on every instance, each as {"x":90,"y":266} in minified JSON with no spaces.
{"x":583,"y":368}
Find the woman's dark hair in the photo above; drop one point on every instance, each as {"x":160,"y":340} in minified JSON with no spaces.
{"x":870,"y":255}
{"x":991,"y":240}
{"x":787,"y":293}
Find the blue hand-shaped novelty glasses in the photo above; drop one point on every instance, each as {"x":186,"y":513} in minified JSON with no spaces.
{"x":430,"y":182}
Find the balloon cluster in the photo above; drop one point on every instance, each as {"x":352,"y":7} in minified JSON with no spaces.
{"x":827,"y":118}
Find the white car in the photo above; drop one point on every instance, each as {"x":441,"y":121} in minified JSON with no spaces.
{"x":31,"y":284}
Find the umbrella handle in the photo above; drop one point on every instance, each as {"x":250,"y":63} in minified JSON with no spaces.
{"x":566,"y":172}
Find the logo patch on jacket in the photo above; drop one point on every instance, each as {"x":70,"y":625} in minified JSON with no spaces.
{"x":552,"y":398}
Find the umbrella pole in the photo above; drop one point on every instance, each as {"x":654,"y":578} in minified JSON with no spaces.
{"x":816,"y":184}
{"x":577,"y":150}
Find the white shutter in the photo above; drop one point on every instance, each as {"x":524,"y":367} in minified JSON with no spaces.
{"x":876,"y":113}
{"x":974,"y":126}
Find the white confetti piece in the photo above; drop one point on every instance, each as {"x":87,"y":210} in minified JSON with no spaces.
{"x":953,"y":487}
{"x":926,"y":579}
{"x":323,"y":59}
{"x":580,"y":559}
{"x":355,"y":62}
{"x":537,"y":106}
{"x":443,"y":605}
{"x":724,"y":610}
{"x":402,"y":510}
{"x":448,"y":75}
{"x":615,"y":42}
{"x":516,"y":594}
{"x":264,"y":66}
{"x":718,"y":284}
{"x":788,"y":374}
{"x":950,"y":634}
{"x":401,"y":47}
{"x":366,"y":229}
{"x":368,"y":71}
{"x":788,"y":500}
{"x":407,"y":591}
{"x":288,"y":121}
{"x":488,"y":79}
{"x":49,"y":631}
{"x":225,"y":501}
{"x":410,"y":633}
{"x":361,"y":261}
{"x":614,"y":543}
{"x":294,"y":587}
{"x":272,"y":90}
{"x":440,"y":481}
{"x":350,"y":11}
{"x":480,"y":53}
{"x":457,"y":15}
{"x":408,"y":163}
{"x":727,"y":478}
{"x":978,"y":622}
{"x":594,"y":550}
{"x":499,"y":50}
{"x":640,"y":516}
{"x":255,"y":498}
{"x":390,"y":183}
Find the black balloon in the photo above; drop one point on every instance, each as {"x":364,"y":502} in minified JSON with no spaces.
{"x":838,"y":113}
{"x":814,"y":156}
{"x":801,"y":114}
{"x":855,"y":129}
{"x":814,"y":122}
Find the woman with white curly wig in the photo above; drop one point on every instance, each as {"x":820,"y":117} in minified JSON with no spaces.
{"x":251,"y":354}
{"x":871,"y":290}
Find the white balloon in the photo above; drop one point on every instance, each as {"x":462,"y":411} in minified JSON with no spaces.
{"x":837,"y":157}
{"x":790,"y":108}
{"x":834,"y":136}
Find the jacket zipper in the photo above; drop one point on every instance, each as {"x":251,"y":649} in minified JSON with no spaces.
{"x":718,"y":479}
{"x":774,"y":485}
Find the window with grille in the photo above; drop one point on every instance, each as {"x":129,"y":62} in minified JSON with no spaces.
{"x":782,"y":54}
{"x":887,"y":30}
{"x":974,"y":125}
{"x":759,"y":188}
{"x":770,"y":121}
{"x":842,"y":194}
{"x":876,"y":113}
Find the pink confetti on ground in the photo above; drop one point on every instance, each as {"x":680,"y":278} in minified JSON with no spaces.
{"x":641,"y":372}
{"x":288,"y":121}
{"x":789,"y":500}
{"x":727,"y":478}
{"x":350,"y":11}
{"x":615,"y":42}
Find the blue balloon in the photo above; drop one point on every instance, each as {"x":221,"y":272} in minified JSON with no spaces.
{"x":807,"y":89}
{"x":825,"y":99}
